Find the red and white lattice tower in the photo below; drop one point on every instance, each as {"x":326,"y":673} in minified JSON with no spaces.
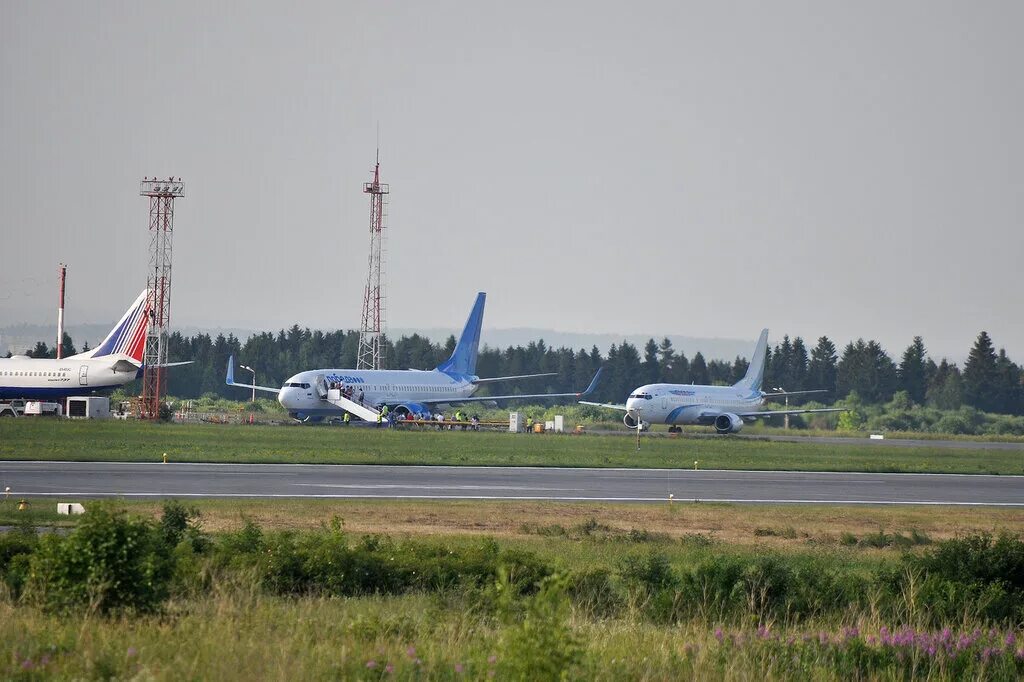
{"x":162,"y":194}
{"x":370,"y":332}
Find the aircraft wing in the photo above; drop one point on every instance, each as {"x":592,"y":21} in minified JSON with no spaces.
{"x":608,"y":405}
{"x":588,"y":391}
{"x":770,"y":413}
{"x":491,"y":380}
{"x":174,"y":364}
{"x":783,"y":394}
{"x":230,"y":379}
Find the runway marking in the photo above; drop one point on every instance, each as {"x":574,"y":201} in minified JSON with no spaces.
{"x":680,"y":470}
{"x":413,"y":486}
{"x":541,"y":498}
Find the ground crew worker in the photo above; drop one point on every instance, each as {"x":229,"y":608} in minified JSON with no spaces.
{"x":529,"y":424}
{"x":345,"y":420}
{"x":379,"y":418}
{"x":384,"y":411}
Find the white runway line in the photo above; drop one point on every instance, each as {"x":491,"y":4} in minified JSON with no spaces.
{"x":543,"y":498}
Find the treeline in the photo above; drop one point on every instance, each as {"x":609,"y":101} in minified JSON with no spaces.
{"x":988,"y":381}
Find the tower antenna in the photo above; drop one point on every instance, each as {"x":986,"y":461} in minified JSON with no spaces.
{"x":371,"y":354}
{"x":162,"y":194}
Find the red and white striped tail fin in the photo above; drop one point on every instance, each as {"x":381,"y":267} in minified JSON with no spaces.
{"x":128,"y":337}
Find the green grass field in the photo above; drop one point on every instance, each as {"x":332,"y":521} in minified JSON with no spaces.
{"x":29,"y":439}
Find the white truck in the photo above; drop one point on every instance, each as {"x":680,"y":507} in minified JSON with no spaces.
{"x":18,"y":408}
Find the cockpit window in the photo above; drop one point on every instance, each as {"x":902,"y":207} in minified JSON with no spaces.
{"x":291,"y":384}
{"x":642,"y":396}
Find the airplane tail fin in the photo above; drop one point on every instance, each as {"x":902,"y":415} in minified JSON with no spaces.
{"x":755,"y":371}
{"x":463,"y":359}
{"x":128,"y":337}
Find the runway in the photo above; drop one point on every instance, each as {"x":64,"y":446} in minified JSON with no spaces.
{"x":77,"y":480}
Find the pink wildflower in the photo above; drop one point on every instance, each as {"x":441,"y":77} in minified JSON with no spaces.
{"x":389,"y":668}
{"x":718,"y":634}
{"x":371,"y":664}
{"x":458,"y":668}
{"x":411,"y":652}
{"x":492,"y":659}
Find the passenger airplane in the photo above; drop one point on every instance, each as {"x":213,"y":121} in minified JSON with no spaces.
{"x":113,"y":363}
{"x":724,"y":407}
{"x":407,"y":391}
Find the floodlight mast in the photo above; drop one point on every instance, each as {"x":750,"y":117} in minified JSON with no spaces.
{"x":162,"y":194}
{"x":370,"y":354}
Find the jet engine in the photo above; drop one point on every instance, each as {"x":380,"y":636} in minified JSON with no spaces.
{"x":417,"y":410}
{"x":728,"y":423}
{"x":630,"y":422}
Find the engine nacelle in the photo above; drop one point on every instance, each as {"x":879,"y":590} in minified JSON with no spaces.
{"x":728,"y":423}
{"x":630,"y":422}
{"x":417,"y":410}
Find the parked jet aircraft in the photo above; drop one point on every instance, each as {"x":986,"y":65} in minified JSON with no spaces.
{"x":114,"y":362}
{"x":724,"y":407}
{"x":307,"y":395}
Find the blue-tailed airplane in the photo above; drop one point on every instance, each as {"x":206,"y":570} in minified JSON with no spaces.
{"x":113,"y":363}
{"x":724,"y":407}
{"x":309,"y":396}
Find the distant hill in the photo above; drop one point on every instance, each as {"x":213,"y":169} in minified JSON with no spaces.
{"x":22,"y":337}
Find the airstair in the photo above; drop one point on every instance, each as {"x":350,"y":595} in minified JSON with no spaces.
{"x":334,"y":397}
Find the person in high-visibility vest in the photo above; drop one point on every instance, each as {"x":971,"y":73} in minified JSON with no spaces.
{"x":379,"y":418}
{"x":383,"y":413}
{"x":346,"y":419}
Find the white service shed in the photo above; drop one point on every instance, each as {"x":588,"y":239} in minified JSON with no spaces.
{"x":88,"y":407}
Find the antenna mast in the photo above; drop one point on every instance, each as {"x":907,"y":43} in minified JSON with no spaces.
{"x":370,"y":352}
{"x":62,"y":276}
{"x":162,"y":194}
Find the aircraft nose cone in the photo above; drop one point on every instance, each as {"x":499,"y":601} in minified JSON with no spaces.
{"x":284,"y":397}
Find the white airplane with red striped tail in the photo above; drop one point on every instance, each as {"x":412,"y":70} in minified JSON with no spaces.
{"x":113,"y":363}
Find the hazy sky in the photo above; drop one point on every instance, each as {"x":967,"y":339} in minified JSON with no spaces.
{"x":707,"y":169}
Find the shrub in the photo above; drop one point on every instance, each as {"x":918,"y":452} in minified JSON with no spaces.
{"x":537,"y":643}
{"x":109,"y":562}
{"x":593,"y":591}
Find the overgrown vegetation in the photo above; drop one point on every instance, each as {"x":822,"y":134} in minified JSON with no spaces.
{"x":533,"y":615}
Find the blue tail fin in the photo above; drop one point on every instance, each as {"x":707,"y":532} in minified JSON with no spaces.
{"x":463,"y":359}
{"x":755,"y":371}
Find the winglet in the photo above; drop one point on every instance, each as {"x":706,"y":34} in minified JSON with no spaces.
{"x":230,"y":379}
{"x":593,"y":384}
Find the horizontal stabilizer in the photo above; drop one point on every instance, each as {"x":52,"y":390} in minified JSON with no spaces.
{"x":771,"y":413}
{"x":230,"y":379}
{"x":623,"y":408}
{"x":783,"y":394}
{"x":124,"y":366}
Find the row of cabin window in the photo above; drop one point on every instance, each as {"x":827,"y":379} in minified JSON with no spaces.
{"x":434,"y":389}
{"x":33,"y":374}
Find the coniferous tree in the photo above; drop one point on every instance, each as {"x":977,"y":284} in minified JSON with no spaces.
{"x":798,"y":367}
{"x":945,"y":390}
{"x":666,"y":356}
{"x":981,"y":376}
{"x":651,"y":368}
{"x":822,"y":368}
{"x":912,"y":371}
{"x":739,"y":368}
{"x":699,"y":370}
{"x":1009,"y":391}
